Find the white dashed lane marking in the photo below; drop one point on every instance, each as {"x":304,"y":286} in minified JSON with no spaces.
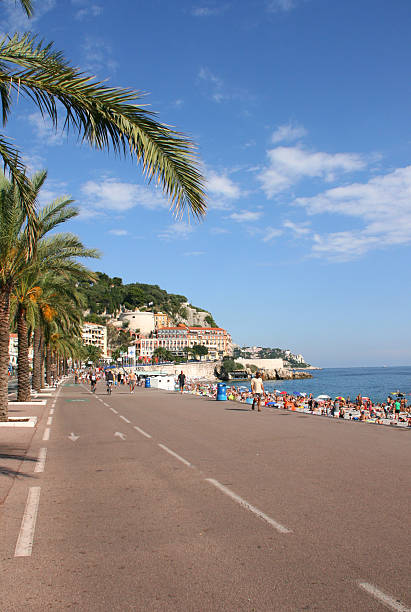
{"x":386,"y":600}
{"x":124,"y":418}
{"x":143,"y":433}
{"x":171,"y":452}
{"x":248,"y":506}
{"x":41,"y":461}
{"x":46,"y":435}
{"x":24,"y":544}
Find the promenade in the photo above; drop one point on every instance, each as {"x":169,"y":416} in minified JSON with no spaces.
{"x":161,"y":502}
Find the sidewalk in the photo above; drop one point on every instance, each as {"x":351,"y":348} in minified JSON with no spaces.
{"x":14,"y":445}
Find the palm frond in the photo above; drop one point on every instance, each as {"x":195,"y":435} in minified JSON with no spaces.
{"x":106,"y":118}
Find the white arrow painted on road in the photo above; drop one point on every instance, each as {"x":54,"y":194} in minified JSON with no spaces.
{"x":73,"y":437}
{"x":120,"y":435}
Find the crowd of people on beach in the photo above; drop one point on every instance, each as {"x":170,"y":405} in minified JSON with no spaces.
{"x":394,"y":411}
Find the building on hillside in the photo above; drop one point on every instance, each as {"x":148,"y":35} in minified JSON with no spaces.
{"x":135,"y":320}
{"x":161,"y":319}
{"x":178,"y":339}
{"x":95,"y":334}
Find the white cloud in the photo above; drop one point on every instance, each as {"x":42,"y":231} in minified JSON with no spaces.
{"x":300,"y":229}
{"x":288,"y":165}
{"x":382,"y":204}
{"x":219,"y":230}
{"x":118,"y":232}
{"x":275,"y":6}
{"x":112,"y":194}
{"x":194,"y":253}
{"x":98,"y":56}
{"x":270,"y":233}
{"x":220,"y":185}
{"x":176,"y":231}
{"x":288,"y":133}
{"x":44,"y":130}
{"x":14,"y":18}
{"x":209,"y":11}
{"x":90,"y":11}
{"x":245,"y":216}
{"x":217,"y":89}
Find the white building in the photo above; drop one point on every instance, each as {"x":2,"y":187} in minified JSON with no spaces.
{"x":95,"y":334}
{"x":144,"y":321}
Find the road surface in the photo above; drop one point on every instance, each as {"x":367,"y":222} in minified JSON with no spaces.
{"x":157,"y":502}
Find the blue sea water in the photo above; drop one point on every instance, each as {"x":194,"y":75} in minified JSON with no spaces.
{"x":376,"y":383}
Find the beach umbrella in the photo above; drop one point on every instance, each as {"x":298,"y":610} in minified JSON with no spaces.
{"x":340,"y":398}
{"x":323,"y":397}
{"x":283,"y":392}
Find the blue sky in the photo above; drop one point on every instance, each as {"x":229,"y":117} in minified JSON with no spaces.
{"x":301,"y":110}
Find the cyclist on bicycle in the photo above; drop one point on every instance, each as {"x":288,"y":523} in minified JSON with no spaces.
{"x":109,"y":380}
{"x":93,"y":381}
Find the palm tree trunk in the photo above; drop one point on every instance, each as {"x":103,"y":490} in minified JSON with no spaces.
{"x":48,"y":364}
{"x":42,"y":373}
{"x":23,"y":367}
{"x":36,"y":381}
{"x":4,"y":351}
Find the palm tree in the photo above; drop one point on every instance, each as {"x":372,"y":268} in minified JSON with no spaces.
{"x":55,"y":255}
{"x":14,"y":258}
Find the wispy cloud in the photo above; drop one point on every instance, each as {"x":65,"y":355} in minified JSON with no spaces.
{"x":299,"y":229}
{"x":176,"y":231}
{"x":275,"y":6}
{"x":382,"y":204}
{"x":209,"y":11}
{"x":288,"y":132}
{"x":44,"y":130}
{"x":288,"y":165}
{"x":194,"y":253}
{"x":270,"y":233}
{"x":217,"y":89}
{"x":118,"y":232}
{"x":219,"y":230}
{"x":98,"y":56}
{"x":245,"y":216}
{"x":93,"y":10}
{"x":113,"y":194}
{"x":14,"y":18}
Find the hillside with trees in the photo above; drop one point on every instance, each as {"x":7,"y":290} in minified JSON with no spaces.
{"x":107,"y":296}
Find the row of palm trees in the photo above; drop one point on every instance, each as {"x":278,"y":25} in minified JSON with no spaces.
{"x":31,"y":264}
{"x":39,"y":292}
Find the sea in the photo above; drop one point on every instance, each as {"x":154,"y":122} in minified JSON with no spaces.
{"x":375,"y":383}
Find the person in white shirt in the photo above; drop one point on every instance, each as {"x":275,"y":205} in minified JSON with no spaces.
{"x":257,"y":388}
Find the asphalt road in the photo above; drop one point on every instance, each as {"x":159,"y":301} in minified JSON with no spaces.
{"x":157,"y":502}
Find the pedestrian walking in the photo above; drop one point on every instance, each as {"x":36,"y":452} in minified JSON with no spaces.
{"x":181,"y":381}
{"x":257,"y":388}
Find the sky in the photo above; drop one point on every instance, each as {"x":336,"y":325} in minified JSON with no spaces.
{"x":301,"y":111}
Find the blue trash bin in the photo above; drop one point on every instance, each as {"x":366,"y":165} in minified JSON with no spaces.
{"x":148,"y":383}
{"x":221,"y":392}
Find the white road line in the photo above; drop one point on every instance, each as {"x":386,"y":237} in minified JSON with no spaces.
{"x":386,"y":600}
{"x":26,"y":536}
{"x":143,"y":433}
{"x":41,"y":461}
{"x":46,"y":435}
{"x":114,"y":410}
{"x":124,"y":418}
{"x":51,"y":411}
{"x":49,"y":420}
{"x":168,"y":450}
{"x":108,"y":405}
{"x":248,"y":506}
